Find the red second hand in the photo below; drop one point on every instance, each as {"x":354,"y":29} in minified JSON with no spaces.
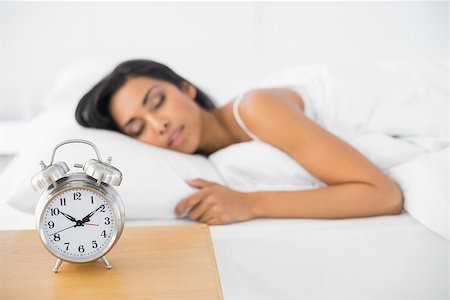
{"x":91,"y":224}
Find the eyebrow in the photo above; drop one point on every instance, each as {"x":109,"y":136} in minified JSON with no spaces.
{"x":144,"y":101}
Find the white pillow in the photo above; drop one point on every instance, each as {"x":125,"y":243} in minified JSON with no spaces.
{"x":258,"y":166}
{"x":153,"y":178}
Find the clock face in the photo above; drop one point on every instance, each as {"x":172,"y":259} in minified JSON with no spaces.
{"x":78,"y":224}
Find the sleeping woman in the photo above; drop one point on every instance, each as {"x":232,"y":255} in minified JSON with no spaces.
{"x":149,"y":102}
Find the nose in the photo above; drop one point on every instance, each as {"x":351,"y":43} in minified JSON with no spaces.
{"x":161,"y":125}
{"x":164,"y":127}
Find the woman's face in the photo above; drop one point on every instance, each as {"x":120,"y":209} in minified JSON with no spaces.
{"x":158,"y":113}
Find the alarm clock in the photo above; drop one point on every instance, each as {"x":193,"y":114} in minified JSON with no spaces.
{"x":79,"y":215}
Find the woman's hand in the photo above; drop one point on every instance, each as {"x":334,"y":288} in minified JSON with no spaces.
{"x":215,"y":204}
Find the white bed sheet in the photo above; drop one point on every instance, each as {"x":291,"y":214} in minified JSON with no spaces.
{"x":388,"y":257}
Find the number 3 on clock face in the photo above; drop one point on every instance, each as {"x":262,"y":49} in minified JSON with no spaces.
{"x":78,"y":224}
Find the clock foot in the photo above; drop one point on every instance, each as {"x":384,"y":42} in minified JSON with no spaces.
{"x":106,"y":261}
{"x":57,"y":265}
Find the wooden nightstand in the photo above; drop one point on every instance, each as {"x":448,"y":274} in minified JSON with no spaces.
{"x":170,"y":262}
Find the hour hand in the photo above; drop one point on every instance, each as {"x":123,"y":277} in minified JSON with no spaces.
{"x":87,"y":218}
{"x":68,"y":217}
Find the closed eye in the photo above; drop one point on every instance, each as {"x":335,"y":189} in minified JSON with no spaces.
{"x":135,"y":128}
{"x":156,"y":102}
{"x":139,"y":132}
{"x":161,"y":99}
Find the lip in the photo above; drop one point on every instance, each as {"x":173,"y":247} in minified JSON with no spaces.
{"x":176,"y":137}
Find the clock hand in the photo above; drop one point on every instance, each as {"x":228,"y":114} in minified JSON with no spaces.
{"x":62,"y":230}
{"x":68,"y":217}
{"x":87,"y":218}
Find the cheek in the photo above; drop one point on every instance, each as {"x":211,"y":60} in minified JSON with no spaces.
{"x":188,"y":113}
{"x":149,"y":138}
{"x":182,"y":102}
{"x":184,"y":109}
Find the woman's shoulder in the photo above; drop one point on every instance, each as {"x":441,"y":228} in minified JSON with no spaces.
{"x":255,"y":99}
{"x":253,"y":108}
{"x":244,"y":115}
{"x":252,"y":104}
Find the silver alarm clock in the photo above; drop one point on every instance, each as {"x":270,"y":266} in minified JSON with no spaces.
{"x":79,"y":215}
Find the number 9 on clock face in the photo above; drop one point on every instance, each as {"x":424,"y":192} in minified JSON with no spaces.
{"x":79,"y":224}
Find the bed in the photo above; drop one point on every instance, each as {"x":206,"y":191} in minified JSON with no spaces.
{"x":388,"y":257}
{"x":403,"y":256}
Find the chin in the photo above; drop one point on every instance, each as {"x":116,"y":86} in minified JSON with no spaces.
{"x":189,"y":149}
{"x":190,"y":145}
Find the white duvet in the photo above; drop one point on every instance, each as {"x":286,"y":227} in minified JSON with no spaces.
{"x":394,"y":113}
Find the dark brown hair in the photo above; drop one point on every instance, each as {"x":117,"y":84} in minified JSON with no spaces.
{"x":93,"y":108}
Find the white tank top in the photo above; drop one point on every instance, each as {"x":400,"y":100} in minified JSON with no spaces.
{"x":238,"y":118}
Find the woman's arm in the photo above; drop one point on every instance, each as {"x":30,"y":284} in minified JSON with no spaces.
{"x":356,"y":187}
{"x":215,"y":204}
{"x":347,"y":200}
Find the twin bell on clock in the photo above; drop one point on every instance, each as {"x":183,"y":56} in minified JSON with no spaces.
{"x":79,"y":215}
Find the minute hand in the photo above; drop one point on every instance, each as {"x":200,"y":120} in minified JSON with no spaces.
{"x":63,"y":229}
{"x":87,"y":218}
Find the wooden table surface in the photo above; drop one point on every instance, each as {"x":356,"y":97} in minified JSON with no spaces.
{"x":170,"y":262}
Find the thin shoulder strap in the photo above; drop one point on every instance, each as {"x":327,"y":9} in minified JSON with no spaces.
{"x":238,"y":118}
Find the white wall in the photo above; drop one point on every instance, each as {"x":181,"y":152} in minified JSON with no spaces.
{"x":222,"y":47}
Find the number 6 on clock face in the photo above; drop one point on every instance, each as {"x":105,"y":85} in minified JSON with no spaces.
{"x":79,"y":224}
